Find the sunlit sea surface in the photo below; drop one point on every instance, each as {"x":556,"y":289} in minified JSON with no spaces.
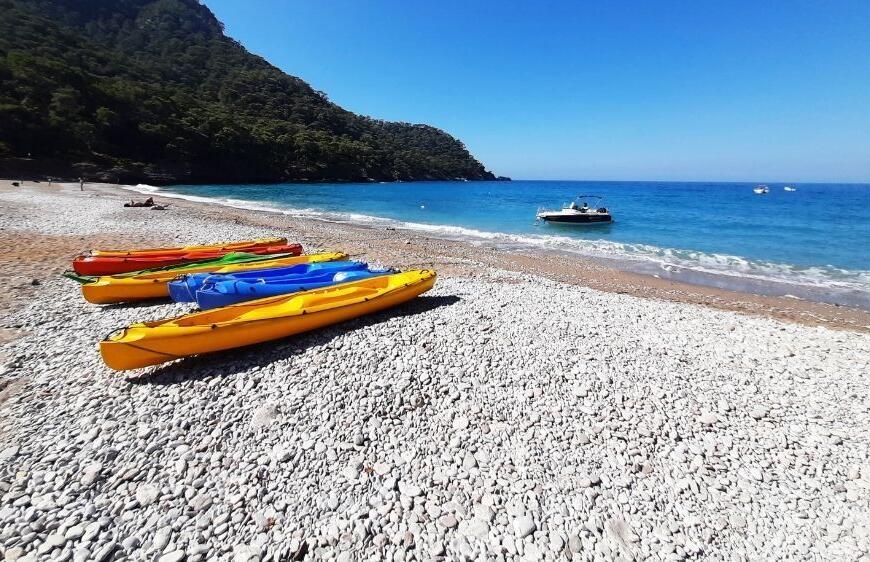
{"x":813,"y":243}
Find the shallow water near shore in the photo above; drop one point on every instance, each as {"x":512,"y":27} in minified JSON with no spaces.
{"x":810,"y":243}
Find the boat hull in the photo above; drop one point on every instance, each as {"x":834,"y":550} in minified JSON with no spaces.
{"x":226,"y":293}
{"x":240,"y":246}
{"x":114,"y":265}
{"x":184,"y":289}
{"x":143,"y":345}
{"x":577,"y":219}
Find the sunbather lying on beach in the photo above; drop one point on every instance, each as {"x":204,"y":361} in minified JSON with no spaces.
{"x":147,"y":203}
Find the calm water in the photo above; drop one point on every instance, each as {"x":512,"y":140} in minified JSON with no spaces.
{"x":811,"y":243}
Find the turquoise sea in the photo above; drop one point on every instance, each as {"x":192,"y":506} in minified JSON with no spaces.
{"x":812,"y":243}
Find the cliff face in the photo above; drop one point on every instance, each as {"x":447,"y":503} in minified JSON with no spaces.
{"x":152,"y":90}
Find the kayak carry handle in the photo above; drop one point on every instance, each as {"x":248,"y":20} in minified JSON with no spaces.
{"x":122,"y":331}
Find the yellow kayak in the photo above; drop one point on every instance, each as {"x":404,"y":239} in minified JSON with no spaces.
{"x":252,"y":322}
{"x":222,"y":247}
{"x":110,"y":289}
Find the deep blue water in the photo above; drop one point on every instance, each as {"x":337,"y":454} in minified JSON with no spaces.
{"x":817,"y":236}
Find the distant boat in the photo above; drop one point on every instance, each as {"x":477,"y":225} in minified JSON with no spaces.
{"x":578,"y":213}
{"x":761,"y":189}
{"x":789,"y":188}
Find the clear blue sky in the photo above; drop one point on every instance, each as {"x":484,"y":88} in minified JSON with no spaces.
{"x":669,"y":90}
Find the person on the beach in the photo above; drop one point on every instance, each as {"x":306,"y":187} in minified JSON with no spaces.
{"x":81,"y":184}
{"x":147,"y":203}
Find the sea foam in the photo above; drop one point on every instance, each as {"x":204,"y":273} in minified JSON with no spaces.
{"x":665,"y":259}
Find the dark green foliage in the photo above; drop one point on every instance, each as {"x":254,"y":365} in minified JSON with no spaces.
{"x":153,"y":90}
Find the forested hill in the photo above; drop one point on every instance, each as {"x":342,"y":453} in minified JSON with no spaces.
{"x":153,"y":91}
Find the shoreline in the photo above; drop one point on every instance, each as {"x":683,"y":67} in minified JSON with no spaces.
{"x":504,"y":414}
{"x":556,"y":265}
{"x":744,"y":275}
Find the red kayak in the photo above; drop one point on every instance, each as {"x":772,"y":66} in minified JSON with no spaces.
{"x":113,"y":265}
{"x":240,"y":246}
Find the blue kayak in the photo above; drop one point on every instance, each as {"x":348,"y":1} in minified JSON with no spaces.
{"x":185,"y":287}
{"x":216,"y":293}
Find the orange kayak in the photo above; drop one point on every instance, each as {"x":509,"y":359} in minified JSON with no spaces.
{"x":114,"y":265}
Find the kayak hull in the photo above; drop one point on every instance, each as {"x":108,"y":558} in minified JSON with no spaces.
{"x":124,"y":290}
{"x":114,"y":265}
{"x":226,"y":293}
{"x":184,"y":289}
{"x":154,"y":285}
{"x":223,"y":247}
{"x":258,"y":321}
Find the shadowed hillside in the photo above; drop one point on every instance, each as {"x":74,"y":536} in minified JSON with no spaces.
{"x":152,"y":90}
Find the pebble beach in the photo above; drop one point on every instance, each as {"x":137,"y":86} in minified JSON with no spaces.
{"x":507,"y":414}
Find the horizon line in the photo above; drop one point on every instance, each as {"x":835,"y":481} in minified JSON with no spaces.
{"x":756,"y":182}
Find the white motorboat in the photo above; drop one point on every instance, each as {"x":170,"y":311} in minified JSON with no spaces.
{"x":578,"y":212}
{"x":789,"y":188}
{"x":761,"y":189}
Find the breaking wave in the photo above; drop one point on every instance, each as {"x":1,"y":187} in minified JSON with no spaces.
{"x":650,"y":258}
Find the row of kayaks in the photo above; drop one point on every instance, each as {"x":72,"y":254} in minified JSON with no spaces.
{"x":113,"y":262}
{"x":150,"y":284}
{"x":244,"y":296}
